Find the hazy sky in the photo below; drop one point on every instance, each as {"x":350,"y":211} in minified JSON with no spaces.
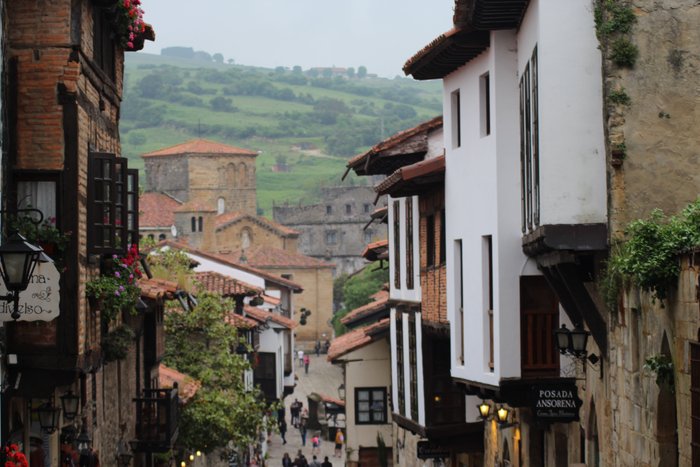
{"x":379,"y":34}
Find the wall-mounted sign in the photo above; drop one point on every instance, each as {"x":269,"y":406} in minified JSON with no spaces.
{"x":556,"y":402}
{"x":40,"y":302}
{"x":428,"y":450}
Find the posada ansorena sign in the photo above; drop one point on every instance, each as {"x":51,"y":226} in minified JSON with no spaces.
{"x":556,"y":402}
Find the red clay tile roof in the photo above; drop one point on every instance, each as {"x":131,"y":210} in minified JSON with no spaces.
{"x":376,"y":250}
{"x":446,"y":53}
{"x":362,"y":162}
{"x":381,"y":301}
{"x":157,"y":210}
{"x":195,"y":206}
{"x":357,"y":338}
{"x":187,"y":386}
{"x":241,"y":322}
{"x":200,"y":146}
{"x":224,"y":285}
{"x":229,"y":218}
{"x":272,"y":300}
{"x":330,"y":400}
{"x":263,"y":315}
{"x":267,"y":257}
{"x":413,"y":179}
{"x":296,"y":288}
{"x":156,"y":289}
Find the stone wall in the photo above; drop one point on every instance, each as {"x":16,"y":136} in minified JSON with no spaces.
{"x":316,"y":222}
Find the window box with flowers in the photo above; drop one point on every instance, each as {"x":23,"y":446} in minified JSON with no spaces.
{"x":129,"y":26}
{"x":43,"y":233}
{"x":117,"y":288}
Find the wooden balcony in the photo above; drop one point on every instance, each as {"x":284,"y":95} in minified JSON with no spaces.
{"x":539,"y":317}
{"x":156,"y":420}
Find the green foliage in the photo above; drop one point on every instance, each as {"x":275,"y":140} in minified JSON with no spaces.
{"x":620,"y":97}
{"x":662,"y":366}
{"x":116,"y":344}
{"x":649,"y":257}
{"x":358,"y":289}
{"x":199,"y":343}
{"x":137,"y":138}
{"x":624,"y":53}
{"x":613,"y":16}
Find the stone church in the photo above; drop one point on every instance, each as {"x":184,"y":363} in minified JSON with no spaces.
{"x":203,"y":194}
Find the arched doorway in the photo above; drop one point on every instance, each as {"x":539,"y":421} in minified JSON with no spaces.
{"x":666,"y":422}
{"x":593,"y":445}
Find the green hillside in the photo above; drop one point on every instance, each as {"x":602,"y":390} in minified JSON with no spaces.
{"x":305,"y":125}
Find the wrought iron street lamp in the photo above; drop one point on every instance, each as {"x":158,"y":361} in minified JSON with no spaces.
{"x":18,"y":258}
{"x":341,"y":391}
{"x":502,"y":415}
{"x":48,"y":417}
{"x":574,"y":342}
{"x":69,"y":403}
{"x":484,"y":410}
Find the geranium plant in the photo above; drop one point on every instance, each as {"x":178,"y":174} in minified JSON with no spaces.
{"x":117,"y":287}
{"x":129,"y":22}
{"x":44,"y":233}
{"x":12,"y":456}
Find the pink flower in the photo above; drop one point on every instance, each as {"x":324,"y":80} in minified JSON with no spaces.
{"x":130,"y":45}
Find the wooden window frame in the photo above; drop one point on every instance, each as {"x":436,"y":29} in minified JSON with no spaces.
{"x":331,"y":237}
{"x":400,"y":384}
{"x":529,"y":146}
{"x":485,"y":103}
{"x":112,"y":204}
{"x":430,"y":240}
{"x":397,"y":244}
{"x":455,"y":102}
{"x":413,"y":365}
{"x":409,"y":243}
{"x":443,"y":238}
{"x":372,"y":413}
{"x":103,"y":42}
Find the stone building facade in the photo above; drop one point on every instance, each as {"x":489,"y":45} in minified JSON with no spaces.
{"x":204,"y":172}
{"x":334,"y":230}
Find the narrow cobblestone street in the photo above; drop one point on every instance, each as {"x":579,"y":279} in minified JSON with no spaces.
{"x":323,"y":378}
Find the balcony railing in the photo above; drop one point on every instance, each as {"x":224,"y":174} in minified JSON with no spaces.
{"x":156,"y":420}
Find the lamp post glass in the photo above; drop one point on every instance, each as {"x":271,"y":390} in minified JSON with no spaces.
{"x":48,"y":417}
{"x":341,"y":391}
{"x":69,"y":402}
{"x":579,"y":339}
{"x":502,"y":414}
{"x":563,"y":336}
{"x":17,"y":260}
{"x":484,"y":410}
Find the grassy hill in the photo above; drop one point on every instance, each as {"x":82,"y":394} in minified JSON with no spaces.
{"x":304,"y":125}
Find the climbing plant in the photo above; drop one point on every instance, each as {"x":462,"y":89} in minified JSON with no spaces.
{"x":649,"y":256}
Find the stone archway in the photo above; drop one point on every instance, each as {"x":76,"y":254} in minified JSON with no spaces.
{"x":666,"y":418}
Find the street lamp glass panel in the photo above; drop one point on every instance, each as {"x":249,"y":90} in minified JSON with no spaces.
{"x":17,"y":260}
{"x":69,"y":402}
{"x":484,"y":409}
{"x":48,"y":417}
{"x":579,"y":339}
{"x":502,"y":414}
{"x":563,"y":336}
{"x":341,"y":391}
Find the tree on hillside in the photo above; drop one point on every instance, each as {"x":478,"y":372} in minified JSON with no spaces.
{"x":151,"y":86}
{"x":350,"y":72}
{"x":199,"y":343}
{"x":327,"y":73}
{"x":218,"y":58}
{"x":221,"y":104}
{"x":361,"y":72}
{"x":296,"y":69}
{"x":357,"y":290}
{"x":231,"y":61}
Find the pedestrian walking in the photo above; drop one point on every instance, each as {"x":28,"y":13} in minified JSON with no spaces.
{"x":317,"y":348}
{"x":304,"y":417}
{"x":314,"y":462}
{"x":339,"y":440}
{"x":300,"y":460}
{"x":294,"y":409}
{"x":300,"y":355}
{"x":315,"y":444}
{"x":286,"y":460}
{"x":283,"y":430}
{"x":326,"y":462}
{"x":302,"y":432}
{"x":281,"y":413}
{"x":307,"y":360}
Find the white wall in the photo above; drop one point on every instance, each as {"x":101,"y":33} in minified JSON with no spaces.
{"x":403,"y":293}
{"x":271,"y":341}
{"x":573,"y":185}
{"x":482,"y":191}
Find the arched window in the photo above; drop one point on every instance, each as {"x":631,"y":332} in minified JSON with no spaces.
{"x":194,"y":224}
{"x":150,"y":236}
{"x":161,"y":237}
{"x":220,"y":206}
{"x":201,"y":223}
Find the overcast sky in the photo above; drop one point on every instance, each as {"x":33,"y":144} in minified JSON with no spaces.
{"x":379,"y":34}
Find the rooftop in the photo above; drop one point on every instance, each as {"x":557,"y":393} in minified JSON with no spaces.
{"x":357,"y":338}
{"x":380,"y":303}
{"x":187,"y":386}
{"x":200,"y":146}
{"x":156,"y":210}
{"x":224,"y":285}
{"x":268,"y":257}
